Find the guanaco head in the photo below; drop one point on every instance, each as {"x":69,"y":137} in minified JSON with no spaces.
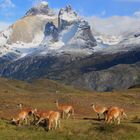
{"x":14,"y":121}
{"x":33,"y":112}
{"x":20,"y":105}
{"x":92,"y":105}
{"x":123,"y":114}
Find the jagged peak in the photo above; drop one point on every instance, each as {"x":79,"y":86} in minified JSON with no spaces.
{"x":41,"y":8}
{"x":44,"y":3}
{"x":67,"y":13}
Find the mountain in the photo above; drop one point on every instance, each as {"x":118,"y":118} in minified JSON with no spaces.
{"x":25,"y":35}
{"x":62,"y":46}
{"x":42,"y":30}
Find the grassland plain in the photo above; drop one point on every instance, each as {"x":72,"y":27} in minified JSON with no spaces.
{"x":41,"y":94}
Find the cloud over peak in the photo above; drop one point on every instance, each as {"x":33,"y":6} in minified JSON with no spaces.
{"x":6,"y":4}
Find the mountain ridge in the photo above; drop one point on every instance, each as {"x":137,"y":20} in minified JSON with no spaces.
{"x":69,"y":52}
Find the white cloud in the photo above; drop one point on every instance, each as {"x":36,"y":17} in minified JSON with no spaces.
{"x":137,"y":14}
{"x":7,"y":4}
{"x":115,"y":25}
{"x":3,"y":25}
{"x":36,"y":2}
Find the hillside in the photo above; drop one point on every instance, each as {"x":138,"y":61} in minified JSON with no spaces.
{"x":42,"y":94}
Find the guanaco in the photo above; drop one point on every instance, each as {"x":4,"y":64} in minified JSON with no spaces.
{"x":22,"y":116}
{"x":115,"y":113}
{"x":29,"y":110}
{"x":65,"y":109}
{"x":42,"y":116}
{"x":100,"y":110}
{"x":54,"y":120}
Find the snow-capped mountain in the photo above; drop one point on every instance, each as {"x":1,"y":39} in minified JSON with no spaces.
{"x":41,"y":30}
{"x":65,"y":47}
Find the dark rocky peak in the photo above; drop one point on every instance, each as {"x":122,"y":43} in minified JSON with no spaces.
{"x":66,"y":17}
{"x":51,"y":30}
{"x":40,"y":9}
{"x":84,"y":33}
{"x":137,"y":34}
{"x":83,"y":25}
{"x":68,"y":8}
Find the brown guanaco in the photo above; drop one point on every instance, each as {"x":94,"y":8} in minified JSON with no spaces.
{"x":54,"y":120}
{"x":115,"y":113}
{"x":67,"y":110}
{"x":22,"y":116}
{"x":42,"y":115}
{"x":99,"y":110}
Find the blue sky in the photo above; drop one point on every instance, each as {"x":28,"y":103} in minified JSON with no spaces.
{"x":11,"y":10}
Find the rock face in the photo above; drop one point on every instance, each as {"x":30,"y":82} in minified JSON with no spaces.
{"x":42,"y":9}
{"x":67,"y":17}
{"x":83,"y":36}
{"x":62,"y":47}
{"x":30,"y":28}
{"x":73,"y":34}
{"x":51,"y":30}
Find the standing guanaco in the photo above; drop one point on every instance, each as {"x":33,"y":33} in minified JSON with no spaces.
{"x":65,"y":109}
{"x":115,"y":113}
{"x":54,"y":120}
{"x":100,"y":110}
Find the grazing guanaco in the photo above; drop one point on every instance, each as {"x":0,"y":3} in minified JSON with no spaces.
{"x":22,"y":116}
{"x":42,"y":116}
{"x":100,"y":110}
{"x":115,"y":113}
{"x":29,"y":110}
{"x":65,"y":109}
{"x":54,"y":120}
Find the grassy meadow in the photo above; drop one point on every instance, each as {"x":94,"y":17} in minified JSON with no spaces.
{"x":41,"y":94}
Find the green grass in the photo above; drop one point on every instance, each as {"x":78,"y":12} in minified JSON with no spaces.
{"x":71,"y":130}
{"x":41,"y":94}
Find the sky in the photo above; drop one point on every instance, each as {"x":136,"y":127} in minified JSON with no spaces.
{"x":12,"y":10}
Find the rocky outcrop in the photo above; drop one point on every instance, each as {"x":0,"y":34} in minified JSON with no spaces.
{"x":30,"y":28}
{"x":83,"y":37}
{"x":67,"y":17}
{"x":41,"y":9}
{"x":51,"y":30}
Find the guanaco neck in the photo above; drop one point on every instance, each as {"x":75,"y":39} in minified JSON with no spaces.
{"x":57,"y":105}
{"x":93,"y":106}
{"x":20,"y":106}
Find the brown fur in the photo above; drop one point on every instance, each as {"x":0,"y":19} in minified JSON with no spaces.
{"x":42,"y":116}
{"x":115,"y":113}
{"x":54,"y":120}
{"x":100,"y":110}
{"x":65,"y":109}
{"x":23,"y":115}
